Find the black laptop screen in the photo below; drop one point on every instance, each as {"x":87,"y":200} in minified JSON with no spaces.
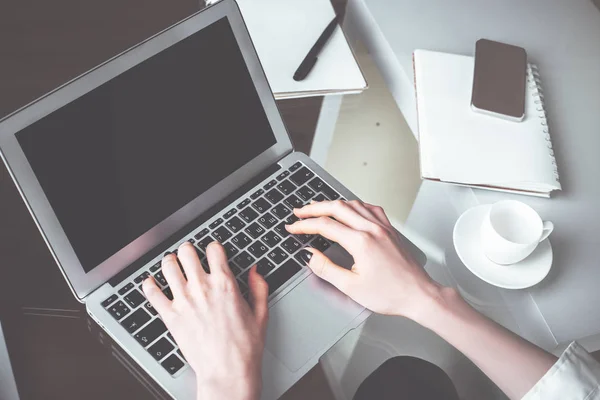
{"x":125,"y":156}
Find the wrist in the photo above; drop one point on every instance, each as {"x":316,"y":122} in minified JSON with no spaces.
{"x":435,"y":304}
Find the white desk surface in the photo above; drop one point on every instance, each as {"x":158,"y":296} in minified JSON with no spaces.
{"x":562,"y":37}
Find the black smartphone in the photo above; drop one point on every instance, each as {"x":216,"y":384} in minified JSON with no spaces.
{"x":499,"y":80}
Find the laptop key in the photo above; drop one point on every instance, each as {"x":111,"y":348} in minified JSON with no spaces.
{"x":203,"y":244}
{"x":156,"y":266}
{"x":160,"y":278}
{"x":200,"y":234}
{"x":221,"y":234}
{"x":149,"y":334}
{"x":243,"y":204}
{"x":329,"y":192}
{"x":230,"y":213}
{"x":134,"y":298}
{"x":215,"y":223}
{"x":316,"y":184}
{"x":295,"y":166}
{"x":150,"y":308}
{"x":255,"y":230}
{"x":125,"y":288}
{"x":257,"y":249}
{"x":271,"y":239}
{"x":248,"y":214}
{"x":160,"y":349}
{"x":304,"y":238}
{"x":243,"y":260}
{"x":234,"y":268}
{"x":280,"y":211}
{"x":268,"y":220}
{"x":168,"y":293}
{"x":235,"y":224}
{"x":283,"y":175}
{"x":320,"y":243}
{"x":109,"y":301}
{"x":286,"y":187}
{"x":293,"y":202}
{"x":281,"y":229}
{"x":291,"y":219}
{"x":244,"y":277}
{"x":135,"y":321}
{"x":261,"y":205}
{"x":290,"y":245}
{"x":172,"y":364}
{"x":241,"y":240}
{"x":274,"y":196}
{"x":118,"y":310}
{"x":282,"y":274}
{"x":242,"y":285}
{"x":264,"y":266}
{"x":270,"y":184}
{"x":305,"y":193}
{"x":199,"y":252}
{"x":257,"y":194}
{"x":319,"y":197}
{"x":302,"y":176}
{"x":277,"y":255}
{"x":230,"y":249}
{"x":139,"y":279}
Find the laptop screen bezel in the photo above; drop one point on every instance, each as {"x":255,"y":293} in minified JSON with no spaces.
{"x":82,"y":283}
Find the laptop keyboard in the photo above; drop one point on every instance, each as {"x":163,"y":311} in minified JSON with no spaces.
{"x":252,"y":232}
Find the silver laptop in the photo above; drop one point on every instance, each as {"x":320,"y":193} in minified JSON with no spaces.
{"x":178,"y":139}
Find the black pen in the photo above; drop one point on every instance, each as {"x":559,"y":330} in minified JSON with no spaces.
{"x":313,"y":55}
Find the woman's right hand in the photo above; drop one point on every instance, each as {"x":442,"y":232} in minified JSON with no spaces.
{"x":385,"y":278}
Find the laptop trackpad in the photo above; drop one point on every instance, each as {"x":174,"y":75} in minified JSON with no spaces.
{"x":306,"y":320}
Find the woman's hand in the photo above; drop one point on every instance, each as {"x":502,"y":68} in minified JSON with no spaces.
{"x":385,"y":278}
{"x":221,"y":336}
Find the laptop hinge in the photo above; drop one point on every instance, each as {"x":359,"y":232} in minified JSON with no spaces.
{"x":140,"y":262}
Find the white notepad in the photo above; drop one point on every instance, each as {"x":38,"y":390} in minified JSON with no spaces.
{"x":283,"y":31}
{"x":458,"y":145}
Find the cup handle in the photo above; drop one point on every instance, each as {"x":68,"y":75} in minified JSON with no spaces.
{"x":546,"y":230}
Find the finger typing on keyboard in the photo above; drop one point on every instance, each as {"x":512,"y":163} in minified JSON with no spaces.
{"x":210,"y":320}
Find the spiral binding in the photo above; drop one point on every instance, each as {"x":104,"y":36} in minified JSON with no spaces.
{"x":535,"y":84}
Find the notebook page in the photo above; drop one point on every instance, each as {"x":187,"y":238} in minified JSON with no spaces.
{"x":464,"y":146}
{"x":283,"y":31}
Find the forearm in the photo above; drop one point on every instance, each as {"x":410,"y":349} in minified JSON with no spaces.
{"x":514,"y":364}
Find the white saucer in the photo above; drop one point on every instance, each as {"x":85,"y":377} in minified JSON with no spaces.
{"x":521,"y":275}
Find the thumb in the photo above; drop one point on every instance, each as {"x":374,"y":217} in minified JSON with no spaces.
{"x":259,"y":292}
{"x":326,"y":269}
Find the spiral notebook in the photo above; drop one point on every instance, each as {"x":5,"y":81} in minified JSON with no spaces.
{"x":460,"y":146}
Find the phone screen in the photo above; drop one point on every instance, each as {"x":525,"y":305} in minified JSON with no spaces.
{"x":499,"y":79}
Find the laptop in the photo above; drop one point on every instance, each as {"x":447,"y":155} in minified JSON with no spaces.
{"x":179,"y":139}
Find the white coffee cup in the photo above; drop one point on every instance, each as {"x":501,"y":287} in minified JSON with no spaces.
{"x":511,"y":231}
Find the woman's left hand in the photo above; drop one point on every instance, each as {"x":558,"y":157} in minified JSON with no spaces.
{"x":220,"y":335}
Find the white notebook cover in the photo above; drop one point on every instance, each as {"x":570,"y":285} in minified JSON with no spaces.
{"x":460,"y":145}
{"x":283,"y":31}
